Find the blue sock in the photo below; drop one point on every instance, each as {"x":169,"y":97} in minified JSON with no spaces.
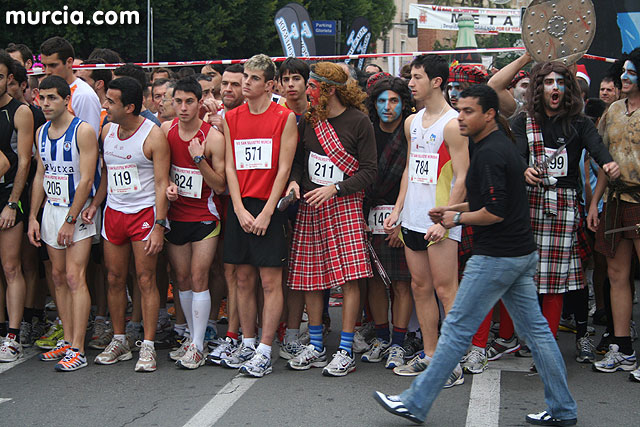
{"x":346,"y":341}
{"x":382,"y":332}
{"x":315,"y":335}
{"x":398,"y":336}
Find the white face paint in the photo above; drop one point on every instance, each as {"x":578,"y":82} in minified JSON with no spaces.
{"x":521,"y":89}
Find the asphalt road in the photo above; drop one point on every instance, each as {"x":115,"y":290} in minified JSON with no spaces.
{"x":32,"y":393}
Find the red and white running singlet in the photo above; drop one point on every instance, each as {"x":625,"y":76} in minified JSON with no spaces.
{"x":131,"y":184}
{"x":196,"y":201}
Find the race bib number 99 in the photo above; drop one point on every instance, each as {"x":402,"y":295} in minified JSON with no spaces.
{"x":189,"y":181}
{"x":423,"y":168}
{"x":377,"y":216}
{"x":123,"y":179}
{"x":557,"y":167}
{"x":323,"y":171}
{"x":57,"y":188}
{"x":253,"y":153}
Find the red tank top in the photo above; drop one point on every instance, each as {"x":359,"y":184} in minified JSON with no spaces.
{"x":196,"y":201}
{"x":255,"y":143}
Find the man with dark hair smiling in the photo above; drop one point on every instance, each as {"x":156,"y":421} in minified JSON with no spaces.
{"x":502,"y":267}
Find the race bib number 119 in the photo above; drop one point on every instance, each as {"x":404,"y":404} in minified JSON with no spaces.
{"x":123,"y":179}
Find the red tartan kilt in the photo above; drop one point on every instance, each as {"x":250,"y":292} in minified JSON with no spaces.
{"x":328,"y":246}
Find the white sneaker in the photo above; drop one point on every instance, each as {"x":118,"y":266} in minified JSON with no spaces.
{"x":192,"y":359}
{"x":11,"y":349}
{"x":289,"y":350}
{"x":341,"y":364}
{"x":147,"y":359}
{"x":177,"y":354}
{"x":377,"y":351}
{"x":395,"y":357}
{"x":475,"y":361}
{"x":361,"y":338}
{"x":308,"y":358}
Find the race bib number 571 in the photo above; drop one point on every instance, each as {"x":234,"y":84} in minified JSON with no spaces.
{"x":253,"y":153}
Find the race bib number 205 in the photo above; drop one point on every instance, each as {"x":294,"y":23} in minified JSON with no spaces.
{"x":57,"y":188}
{"x":253,"y":153}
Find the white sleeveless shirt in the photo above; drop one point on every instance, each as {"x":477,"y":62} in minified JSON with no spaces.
{"x":429,"y":170}
{"x":131,"y":184}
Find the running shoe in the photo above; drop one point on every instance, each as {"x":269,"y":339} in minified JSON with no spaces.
{"x":11,"y":349}
{"x":605,"y":341}
{"x":115,"y":352}
{"x":633,"y":333}
{"x":192,"y":359}
{"x":51,"y":338}
{"x":102,"y":335}
{"x":585,"y":350}
{"x":395,"y":357}
{"x":545,"y":419}
{"x":25,"y":334}
{"x":290,"y":349}
{"x":412,"y":345}
{"x":455,"y":378}
{"x":501,"y":346}
{"x":164,"y":323}
{"x":72,"y":361}
{"x":308,"y":358}
{"x":615,"y":360}
{"x":475,"y":361}
{"x":210,"y":334}
{"x":362,"y":337}
{"x":304,"y":338}
{"x":258,"y":366}
{"x":635,"y":375}
{"x":170,"y":292}
{"x":326,"y":323}
{"x":238,"y":357}
{"x":147,"y":358}
{"x":341,"y":364}
{"x":134,"y":334}
{"x":51,"y":306}
{"x":524,"y":351}
{"x":224,"y":349}
{"x":38,"y":328}
{"x":223,"y":318}
{"x":567,"y":324}
{"x":413,"y":367}
{"x":176,"y":355}
{"x":377,"y":351}
{"x":56,"y":353}
{"x":394,"y":405}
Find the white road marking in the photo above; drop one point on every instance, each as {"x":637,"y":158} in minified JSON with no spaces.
{"x":484,"y":398}
{"x":215,"y":409}
{"x":4,"y":399}
{"x":28,"y":354}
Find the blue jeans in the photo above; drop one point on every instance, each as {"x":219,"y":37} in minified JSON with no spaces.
{"x":487,"y":280}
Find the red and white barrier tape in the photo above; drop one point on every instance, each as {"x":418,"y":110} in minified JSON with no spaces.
{"x":314,"y":58}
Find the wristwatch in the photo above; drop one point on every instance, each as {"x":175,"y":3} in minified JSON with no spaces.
{"x":70,"y":219}
{"x":456,"y":218}
{"x":12,"y":205}
{"x":163,"y":222}
{"x":198,"y":159}
{"x":338,"y":189}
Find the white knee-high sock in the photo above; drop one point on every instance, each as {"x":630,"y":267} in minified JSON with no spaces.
{"x":200,"y":309}
{"x":186,"y":298}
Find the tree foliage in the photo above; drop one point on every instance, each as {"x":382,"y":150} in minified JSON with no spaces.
{"x":187,"y":29}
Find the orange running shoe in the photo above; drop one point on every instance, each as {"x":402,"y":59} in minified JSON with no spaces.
{"x":71,"y":362}
{"x":170,"y":293}
{"x":58,"y":352}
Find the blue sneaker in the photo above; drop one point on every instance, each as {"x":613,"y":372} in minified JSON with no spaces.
{"x":211,"y":334}
{"x":394,"y":405}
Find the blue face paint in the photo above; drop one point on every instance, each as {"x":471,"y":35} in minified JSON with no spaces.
{"x":454,"y":90}
{"x":389,"y":106}
{"x":628,"y":66}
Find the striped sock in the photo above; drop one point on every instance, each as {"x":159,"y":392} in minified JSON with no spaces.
{"x":382,"y":332}
{"x":315,"y":335}
{"x":346,"y":341}
{"x":398,"y":336}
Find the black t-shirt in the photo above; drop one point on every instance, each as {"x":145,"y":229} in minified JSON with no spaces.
{"x":582,"y":134}
{"x":495,"y":181}
{"x":8,"y":137}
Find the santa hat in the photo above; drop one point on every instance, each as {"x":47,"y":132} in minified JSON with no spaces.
{"x":582,"y":73}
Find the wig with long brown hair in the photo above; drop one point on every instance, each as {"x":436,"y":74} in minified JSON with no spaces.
{"x":347,"y":91}
{"x":571,"y":105}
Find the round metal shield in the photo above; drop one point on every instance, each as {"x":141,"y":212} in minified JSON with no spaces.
{"x":558,"y":30}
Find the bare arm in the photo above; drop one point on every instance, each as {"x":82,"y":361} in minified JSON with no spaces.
{"x":500,"y":82}
{"x":458,"y":146}
{"x":156,"y":148}
{"x":4,"y":164}
{"x":212,"y":149}
{"x":244,"y":217}
{"x":37,"y":197}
